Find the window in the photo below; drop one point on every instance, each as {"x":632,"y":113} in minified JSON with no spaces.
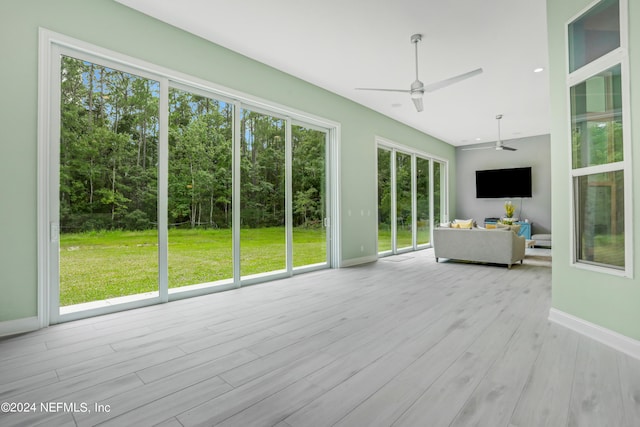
{"x":594,"y":34}
{"x":596,"y":119}
{"x":598,"y":96}
{"x":600,"y":218}
{"x":411,"y":198}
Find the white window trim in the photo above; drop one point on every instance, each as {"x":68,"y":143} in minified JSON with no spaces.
{"x":617,"y":56}
{"x":51,"y":44}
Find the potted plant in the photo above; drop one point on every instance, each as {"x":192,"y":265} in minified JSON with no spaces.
{"x":509,"y":210}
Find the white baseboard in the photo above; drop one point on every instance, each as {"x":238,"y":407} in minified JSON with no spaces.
{"x":18,"y":326}
{"x":357,"y":261}
{"x":605,"y":336}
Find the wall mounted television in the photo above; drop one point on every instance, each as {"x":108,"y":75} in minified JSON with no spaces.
{"x":503,"y":183}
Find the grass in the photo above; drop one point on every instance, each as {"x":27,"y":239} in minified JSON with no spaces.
{"x":404,"y":238}
{"x":100,"y":265}
{"x":606,"y":249}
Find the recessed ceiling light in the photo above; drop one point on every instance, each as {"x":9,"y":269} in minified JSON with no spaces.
{"x":538,"y":70}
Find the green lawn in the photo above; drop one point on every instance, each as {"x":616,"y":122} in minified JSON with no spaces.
{"x":100,"y":265}
{"x":404,"y":237}
{"x":606,"y":249}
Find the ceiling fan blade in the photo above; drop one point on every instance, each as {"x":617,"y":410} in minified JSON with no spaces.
{"x":446,"y":82}
{"x":478,"y":148}
{"x":504,"y":147}
{"x":384,"y":90}
{"x":418,"y":103}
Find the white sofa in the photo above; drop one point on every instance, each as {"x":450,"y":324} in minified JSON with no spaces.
{"x":498,"y":246}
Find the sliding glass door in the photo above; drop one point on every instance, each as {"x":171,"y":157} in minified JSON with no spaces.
{"x":404,"y":202}
{"x":309,"y":196}
{"x":166,"y":190}
{"x":439,"y":193}
{"x":423,"y":207}
{"x":385,"y":238}
{"x":200,"y":208}
{"x":107,"y":173}
{"x":411,"y":198}
{"x":263,"y":239}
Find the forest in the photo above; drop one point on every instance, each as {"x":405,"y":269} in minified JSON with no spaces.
{"x":109,"y":158}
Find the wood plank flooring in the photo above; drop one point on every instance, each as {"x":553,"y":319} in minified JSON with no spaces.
{"x":405,"y":341}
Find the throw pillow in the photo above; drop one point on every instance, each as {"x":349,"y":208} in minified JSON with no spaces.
{"x":464,"y":223}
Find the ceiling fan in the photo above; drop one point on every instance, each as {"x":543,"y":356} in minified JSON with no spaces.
{"x":499,"y":146}
{"x":418,"y":88}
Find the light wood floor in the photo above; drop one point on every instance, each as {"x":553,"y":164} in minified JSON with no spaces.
{"x":401,"y":342}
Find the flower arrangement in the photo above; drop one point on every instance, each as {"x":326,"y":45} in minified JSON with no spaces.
{"x":509,"y":209}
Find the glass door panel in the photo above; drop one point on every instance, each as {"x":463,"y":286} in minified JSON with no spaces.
{"x":384,"y":200}
{"x":199,"y":189}
{"x":108,"y":186}
{"x":309,"y":196}
{"x":438,"y":193}
{"x":404,"y":222}
{"x":262,"y":194}
{"x":422,"y":202}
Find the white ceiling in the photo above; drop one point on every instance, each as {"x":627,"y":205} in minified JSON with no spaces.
{"x":343,"y":44}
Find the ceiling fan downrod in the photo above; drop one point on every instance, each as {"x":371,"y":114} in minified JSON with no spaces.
{"x":415,"y":39}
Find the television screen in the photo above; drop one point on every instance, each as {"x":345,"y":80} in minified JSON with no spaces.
{"x":502,"y":183}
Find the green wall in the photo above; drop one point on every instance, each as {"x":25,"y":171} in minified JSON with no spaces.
{"x":606,"y":300}
{"x":110,"y":25}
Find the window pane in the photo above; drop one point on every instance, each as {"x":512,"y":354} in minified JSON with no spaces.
{"x":594,"y":34}
{"x":438,"y":192}
{"x":108,"y":184}
{"x":308,"y":185}
{"x":422,"y":199}
{"x":404,"y":224}
{"x":596,"y":118}
{"x":600,"y":218}
{"x":199,"y":206}
{"x":262,"y":188}
{"x":384,"y":200}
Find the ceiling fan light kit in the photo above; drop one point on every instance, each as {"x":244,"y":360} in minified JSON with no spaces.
{"x":417,"y":88}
